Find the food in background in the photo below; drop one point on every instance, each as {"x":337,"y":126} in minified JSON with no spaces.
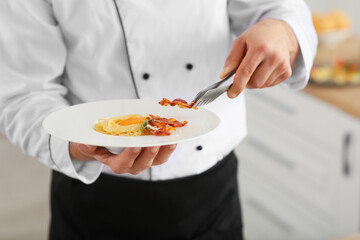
{"x":338,"y":73}
{"x":332,"y":26}
{"x":331,"y":20}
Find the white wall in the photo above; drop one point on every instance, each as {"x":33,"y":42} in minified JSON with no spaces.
{"x":352,"y":7}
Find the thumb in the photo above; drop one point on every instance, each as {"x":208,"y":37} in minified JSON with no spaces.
{"x":87,"y":148}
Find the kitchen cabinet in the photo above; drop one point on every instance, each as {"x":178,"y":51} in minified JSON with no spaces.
{"x":299,"y":167}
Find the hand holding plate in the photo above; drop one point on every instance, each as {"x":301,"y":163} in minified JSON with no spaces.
{"x":131,"y":160}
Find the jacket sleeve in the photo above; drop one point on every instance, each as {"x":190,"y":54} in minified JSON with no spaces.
{"x":245,"y":13}
{"x":32,"y":61}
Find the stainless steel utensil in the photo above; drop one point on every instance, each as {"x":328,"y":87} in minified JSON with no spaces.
{"x":212,"y":92}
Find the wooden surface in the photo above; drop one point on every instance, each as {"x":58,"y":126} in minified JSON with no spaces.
{"x":345,"y":98}
{"x":355,"y":237}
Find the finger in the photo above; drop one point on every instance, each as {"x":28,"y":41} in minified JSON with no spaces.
{"x":101,"y":152}
{"x":234,"y":58}
{"x":87,"y":152}
{"x":274,"y":78}
{"x":86,"y":149}
{"x":144,"y":160}
{"x":81,"y":152}
{"x":279,"y":79}
{"x":249,"y":64}
{"x":120,"y":163}
{"x":260,"y":77}
{"x":164,"y":154}
{"x":279,"y":75}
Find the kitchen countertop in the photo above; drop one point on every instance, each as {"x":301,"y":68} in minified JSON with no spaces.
{"x":355,"y":237}
{"x":344,"y":98}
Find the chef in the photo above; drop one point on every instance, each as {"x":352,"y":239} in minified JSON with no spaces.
{"x":57,"y":53}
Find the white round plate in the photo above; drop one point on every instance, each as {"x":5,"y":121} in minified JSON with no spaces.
{"x":75,"y":123}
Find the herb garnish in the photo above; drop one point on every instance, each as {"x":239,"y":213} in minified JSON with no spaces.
{"x":145,"y":125}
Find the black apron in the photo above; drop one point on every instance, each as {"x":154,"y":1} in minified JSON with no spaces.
{"x":201,"y":207}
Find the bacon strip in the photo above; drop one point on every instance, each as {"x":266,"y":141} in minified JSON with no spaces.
{"x":177,"y":102}
{"x":163,"y":126}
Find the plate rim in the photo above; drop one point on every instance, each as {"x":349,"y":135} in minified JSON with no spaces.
{"x":215,"y":118}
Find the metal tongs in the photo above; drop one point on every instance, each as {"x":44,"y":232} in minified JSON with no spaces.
{"x":212,"y":92}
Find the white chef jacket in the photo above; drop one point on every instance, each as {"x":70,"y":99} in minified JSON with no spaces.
{"x":58,"y":53}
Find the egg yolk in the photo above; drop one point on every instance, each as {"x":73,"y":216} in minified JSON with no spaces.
{"x":131,"y":121}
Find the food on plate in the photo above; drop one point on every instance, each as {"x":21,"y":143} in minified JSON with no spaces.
{"x":138,"y":125}
{"x":338,"y":73}
{"x":177,"y":102}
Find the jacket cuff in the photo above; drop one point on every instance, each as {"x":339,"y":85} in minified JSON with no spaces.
{"x":85,"y":171}
{"x":304,"y":62}
{"x":307,"y":44}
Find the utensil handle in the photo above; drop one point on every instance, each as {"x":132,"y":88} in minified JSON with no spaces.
{"x":225,"y":78}
{"x":230,"y":75}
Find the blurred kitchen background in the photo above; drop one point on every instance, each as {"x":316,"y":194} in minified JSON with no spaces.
{"x":299,"y":166}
